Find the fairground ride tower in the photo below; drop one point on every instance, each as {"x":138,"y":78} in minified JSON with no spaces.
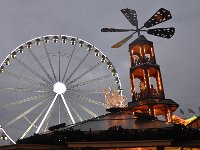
{"x":146,"y":82}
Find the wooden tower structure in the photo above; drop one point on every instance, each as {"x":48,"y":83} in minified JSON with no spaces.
{"x":146,"y":82}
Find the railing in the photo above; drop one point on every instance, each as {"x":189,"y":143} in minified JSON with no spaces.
{"x":144,"y":60}
{"x":143,"y":95}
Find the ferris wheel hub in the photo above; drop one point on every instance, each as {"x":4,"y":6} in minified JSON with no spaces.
{"x":59,"y":88}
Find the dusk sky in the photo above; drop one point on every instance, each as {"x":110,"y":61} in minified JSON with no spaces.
{"x":178,"y":57}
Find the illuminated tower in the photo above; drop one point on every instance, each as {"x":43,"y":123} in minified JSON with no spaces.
{"x":146,"y":82}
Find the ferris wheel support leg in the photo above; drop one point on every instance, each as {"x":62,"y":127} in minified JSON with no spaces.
{"x":66,"y":106}
{"x":7,"y":135}
{"x":39,"y":127}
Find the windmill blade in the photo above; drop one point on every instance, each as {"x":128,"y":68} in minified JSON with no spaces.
{"x":122,"y":42}
{"x":131,"y":16}
{"x":160,"y":16}
{"x":115,"y":30}
{"x":162,"y":32}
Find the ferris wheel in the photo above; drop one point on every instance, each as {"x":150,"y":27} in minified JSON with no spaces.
{"x":51,"y":80}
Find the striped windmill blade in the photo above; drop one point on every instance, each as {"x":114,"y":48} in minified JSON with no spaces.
{"x":162,"y":32}
{"x":114,"y":30}
{"x":131,"y":16}
{"x":122,"y":42}
{"x":160,"y":16}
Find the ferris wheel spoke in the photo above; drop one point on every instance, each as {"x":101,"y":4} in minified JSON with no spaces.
{"x":47,"y":121}
{"x":29,"y":121}
{"x":77,"y":67}
{"x":33,"y":71}
{"x":85,"y":91}
{"x":25,"y":79}
{"x":41,"y":66}
{"x":33,"y":123}
{"x":59,"y":111}
{"x":50,"y":63}
{"x":25,"y":113}
{"x":47,"y":113}
{"x":68,"y":120}
{"x":24,"y":100}
{"x":87,"y":99}
{"x":22,"y":90}
{"x":92,"y":80}
{"x":83,"y":74}
{"x":77,"y":114}
{"x":86,"y":109}
{"x":67,"y":108}
{"x":74,"y":110}
{"x":69,"y":61}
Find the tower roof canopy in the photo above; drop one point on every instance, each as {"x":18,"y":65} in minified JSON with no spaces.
{"x":140,"y":40}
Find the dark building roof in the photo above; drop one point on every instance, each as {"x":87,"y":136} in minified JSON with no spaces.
{"x":117,"y":126}
{"x":140,"y":40}
{"x":123,"y":119}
